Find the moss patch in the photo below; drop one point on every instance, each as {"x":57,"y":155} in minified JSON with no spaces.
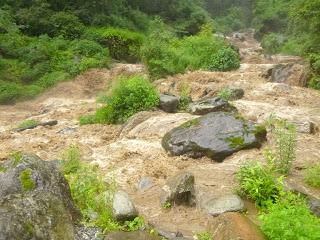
{"x":28,"y":124}
{"x":28,"y":229}
{"x":2,"y":169}
{"x":26,"y":180}
{"x":16,"y":158}
{"x":191,"y":123}
{"x":236,"y":142}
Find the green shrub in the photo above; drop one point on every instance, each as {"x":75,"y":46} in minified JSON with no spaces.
{"x":89,"y":119}
{"x":185,"y":98}
{"x":89,"y":192}
{"x":225,"y":59}
{"x":225,"y":94}
{"x":258,"y":183}
{"x":290,"y":220}
{"x":9,"y":92}
{"x":122,"y":44}
{"x":130,"y":96}
{"x":28,"y":123}
{"x":272,"y":43}
{"x":312,"y":176}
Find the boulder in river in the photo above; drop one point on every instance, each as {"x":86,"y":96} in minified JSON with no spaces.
{"x":216,"y":104}
{"x":179,"y":190}
{"x":229,"y":203}
{"x":215,"y":135}
{"x":35,"y":200}
{"x":123,"y":207}
{"x":169,"y":103}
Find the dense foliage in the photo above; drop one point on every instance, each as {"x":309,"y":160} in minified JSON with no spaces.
{"x":165,"y":54}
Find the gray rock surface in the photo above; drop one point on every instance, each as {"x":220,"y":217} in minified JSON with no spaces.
{"x":295,"y":74}
{"x":236,"y":93}
{"x":123,"y":207}
{"x":229,"y":203}
{"x":138,"y":235}
{"x":314,"y":205}
{"x":211,"y":105}
{"x":215,"y":135}
{"x":169,"y":103}
{"x":179,"y":190}
{"x":144,"y":184}
{"x":35,"y":201}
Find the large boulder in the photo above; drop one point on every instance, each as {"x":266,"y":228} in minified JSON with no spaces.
{"x":295,"y":74}
{"x":169,"y":103}
{"x":211,"y":105}
{"x":228,"y":203}
{"x":179,"y":190}
{"x":215,"y":135}
{"x":123,"y":207}
{"x":35,"y":200}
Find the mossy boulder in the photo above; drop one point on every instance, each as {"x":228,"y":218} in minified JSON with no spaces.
{"x":215,"y":135}
{"x":35,"y":201}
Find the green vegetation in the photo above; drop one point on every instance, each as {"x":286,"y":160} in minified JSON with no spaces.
{"x":236,"y":142}
{"x":89,"y":192}
{"x":258,"y":183}
{"x":15,"y":157}
{"x":185,"y":98}
{"x":193,"y":122}
{"x":165,"y":54}
{"x":204,"y":236}
{"x":26,"y":180}
{"x":312,"y":176}
{"x":289,"y":219}
{"x":129,"y":96}
{"x":135,"y":225}
{"x":2,"y":169}
{"x":167,"y":205}
{"x":225,"y":94}
{"x":28,"y":123}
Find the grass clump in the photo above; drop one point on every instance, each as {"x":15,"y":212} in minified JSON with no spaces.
{"x":185,"y":98}
{"x":26,"y":180}
{"x":129,"y":96}
{"x":204,"y":236}
{"x":312,"y":176}
{"x":15,"y":157}
{"x":225,"y":94}
{"x":89,"y":192}
{"x":28,"y":123}
{"x":134,"y":225}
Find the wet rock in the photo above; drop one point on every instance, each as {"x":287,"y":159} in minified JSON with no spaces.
{"x":123,"y":207}
{"x":87,"y":233}
{"x":169,"y":103}
{"x":236,"y":93}
{"x":231,"y":226}
{"x":229,"y":203}
{"x":67,"y":131}
{"x":314,"y":205}
{"x":179,"y":190}
{"x":215,"y":135}
{"x":35,"y":201}
{"x":305,"y":127}
{"x":138,"y":235}
{"x":295,"y":74}
{"x":211,"y":105}
{"x":144,"y":184}
{"x":49,"y":123}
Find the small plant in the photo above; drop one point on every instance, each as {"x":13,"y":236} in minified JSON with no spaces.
{"x":204,"y":236}
{"x":131,"y":95}
{"x":26,"y":180}
{"x":185,"y":98}
{"x":312,"y":176}
{"x":135,"y":225}
{"x":167,"y":205}
{"x":15,"y":157}
{"x":28,"y":123}
{"x":89,"y":191}
{"x":89,"y":119}
{"x":236,"y":142}
{"x":225,"y":94}
{"x":225,"y":59}
{"x":258,"y":184}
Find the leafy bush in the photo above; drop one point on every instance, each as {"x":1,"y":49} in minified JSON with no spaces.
{"x":312,"y":176}
{"x":290,"y":219}
{"x":123,"y":44}
{"x":130,"y":96}
{"x":258,"y":183}
{"x":225,"y":59}
{"x":164,"y":54}
{"x":89,"y":192}
{"x":272,"y":42}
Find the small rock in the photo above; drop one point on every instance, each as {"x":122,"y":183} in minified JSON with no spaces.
{"x":144,"y":184}
{"x":236,"y":93}
{"x":305,"y":127}
{"x":67,"y":131}
{"x":314,"y":205}
{"x":217,"y":206}
{"x":87,"y":233}
{"x":169,"y":103}
{"x":211,"y":105}
{"x":123,"y":207}
{"x":179,"y":190}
